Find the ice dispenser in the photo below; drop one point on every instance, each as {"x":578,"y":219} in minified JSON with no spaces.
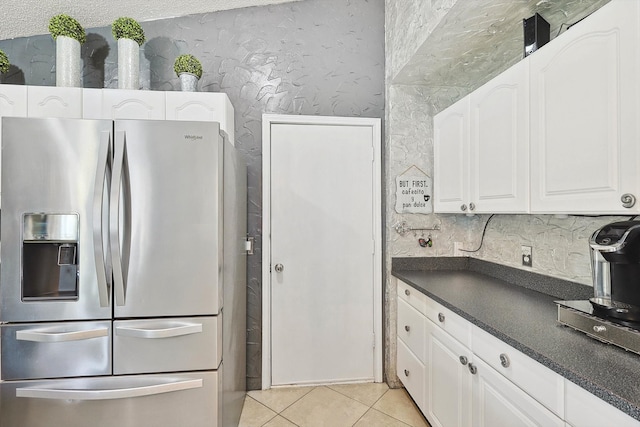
{"x":50,"y":257}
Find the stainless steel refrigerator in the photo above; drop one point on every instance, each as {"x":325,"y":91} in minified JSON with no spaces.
{"x":122,"y":275}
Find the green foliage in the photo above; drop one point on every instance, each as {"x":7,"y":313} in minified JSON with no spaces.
{"x":4,"y":62}
{"x":127,"y":28}
{"x":188,"y":64}
{"x":64,"y":25}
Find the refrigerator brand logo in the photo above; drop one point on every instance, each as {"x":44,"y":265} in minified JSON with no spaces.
{"x":193,"y":137}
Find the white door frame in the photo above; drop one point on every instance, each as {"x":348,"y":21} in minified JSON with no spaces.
{"x":375,"y":125}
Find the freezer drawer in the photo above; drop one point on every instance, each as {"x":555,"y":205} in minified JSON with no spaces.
{"x":128,"y":401}
{"x":55,"y":350}
{"x":167,"y":345}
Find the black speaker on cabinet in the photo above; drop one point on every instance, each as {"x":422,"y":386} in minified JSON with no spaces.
{"x":536,"y":33}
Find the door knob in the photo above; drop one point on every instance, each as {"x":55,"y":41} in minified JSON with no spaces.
{"x":279,"y":268}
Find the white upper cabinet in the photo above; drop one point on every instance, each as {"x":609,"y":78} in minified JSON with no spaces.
{"x":60,"y":102}
{"x":481,"y":148}
{"x":133,"y":104}
{"x":585,"y":117}
{"x":202,"y":106}
{"x":499,"y":153}
{"x":451,"y":158}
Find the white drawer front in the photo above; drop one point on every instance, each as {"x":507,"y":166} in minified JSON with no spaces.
{"x":415,"y":298}
{"x":540,"y":382}
{"x":411,"y":329}
{"x":412,"y":374}
{"x":583,"y":409}
{"x":455,"y":325}
{"x":166,"y":345}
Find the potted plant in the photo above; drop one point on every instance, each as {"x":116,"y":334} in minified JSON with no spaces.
{"x":130,"y":36}
{"x":4,"y":62}
{"x":69,"y":35}
{"x":189,"y":69}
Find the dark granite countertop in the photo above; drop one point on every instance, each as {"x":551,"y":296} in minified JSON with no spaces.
{"x":518,"y":308}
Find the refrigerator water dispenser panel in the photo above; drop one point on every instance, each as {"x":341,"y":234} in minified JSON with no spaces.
{"x":50,"y":257}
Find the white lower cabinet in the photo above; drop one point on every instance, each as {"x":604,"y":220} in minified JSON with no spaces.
{"x":448,"y":380}
{"x":412,"y":374}
{"x":496,"y":401}
{"x":461,"y":376}
{"x":583,"y":409}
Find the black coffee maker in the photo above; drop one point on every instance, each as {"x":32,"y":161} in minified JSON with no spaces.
{"x":615,"y":263}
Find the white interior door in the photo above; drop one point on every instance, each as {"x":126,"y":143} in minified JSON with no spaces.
{"x":324,"y":216}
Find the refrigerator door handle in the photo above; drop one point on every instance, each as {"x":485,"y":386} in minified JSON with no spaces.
{"x":102,"y":267}
{"x":120,"y":285}
{"x":107,"y":394}
{"x":170,"y":332}
{"x":36,"y":335}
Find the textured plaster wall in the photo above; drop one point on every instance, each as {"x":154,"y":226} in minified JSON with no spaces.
{"x":315,"y":57}
{"x":459,"y":46}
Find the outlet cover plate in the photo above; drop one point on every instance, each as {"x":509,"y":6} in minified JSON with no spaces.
{"x":527,"y":256}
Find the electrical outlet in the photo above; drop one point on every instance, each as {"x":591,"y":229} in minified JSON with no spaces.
{"x":527,"y":256}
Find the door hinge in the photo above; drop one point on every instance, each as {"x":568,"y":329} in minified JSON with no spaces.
{"x":248,"y":245}
{"x":374,"y":340}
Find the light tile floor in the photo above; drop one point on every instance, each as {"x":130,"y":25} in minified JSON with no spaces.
{"x":340,"y":405}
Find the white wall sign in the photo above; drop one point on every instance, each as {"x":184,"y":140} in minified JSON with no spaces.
{"x":413,"y":192}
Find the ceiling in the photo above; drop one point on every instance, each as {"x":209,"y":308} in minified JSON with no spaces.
{"x":30,"y":17}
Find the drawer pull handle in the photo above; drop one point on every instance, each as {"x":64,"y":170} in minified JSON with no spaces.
{"x":504,"y":360}
{"x":599,"y":328}
{"x":406,"y":292}
{"x":464,"y":360}
{"x":406,"y":373}
{"x":407,"y":328}
{"x":473,"y":369}
{"x":440,"y":317}
{"x":50,"y":335}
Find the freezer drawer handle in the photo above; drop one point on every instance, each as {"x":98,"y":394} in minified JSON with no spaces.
{"x":171,"y":332}
{"x":49,"y":336}
{"x":101,"y":394}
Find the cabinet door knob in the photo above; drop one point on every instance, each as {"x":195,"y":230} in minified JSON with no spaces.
{"x":406,"y":373}
{"x":628,"y":200}
{"x":440,"y":317}
{"x":463,"y":208}
{"x":464,"y":360}
{"x":406,"y":292}
{"x":472,"y":206}
{"x":279,"y":268}
{"x":473,"y":369}
{"x":407,"y":328}
{"x":504,"y":360}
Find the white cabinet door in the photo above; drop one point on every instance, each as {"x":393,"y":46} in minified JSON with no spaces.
{"x":498,"y":402}
{"x":585,"y":115}
{"x":448,"y":380}
{"x":61,"y":102}
{"x":499,"y":149}
{"x":451,"y":158}
{"x":133,"y":104}
{"x":481,"y":149}
{"x":202,"y":106}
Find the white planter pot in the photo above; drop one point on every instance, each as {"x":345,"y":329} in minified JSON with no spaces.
{"x":68,"y":64}
{"x":128,"y":64}
{"x":188,"y":82}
